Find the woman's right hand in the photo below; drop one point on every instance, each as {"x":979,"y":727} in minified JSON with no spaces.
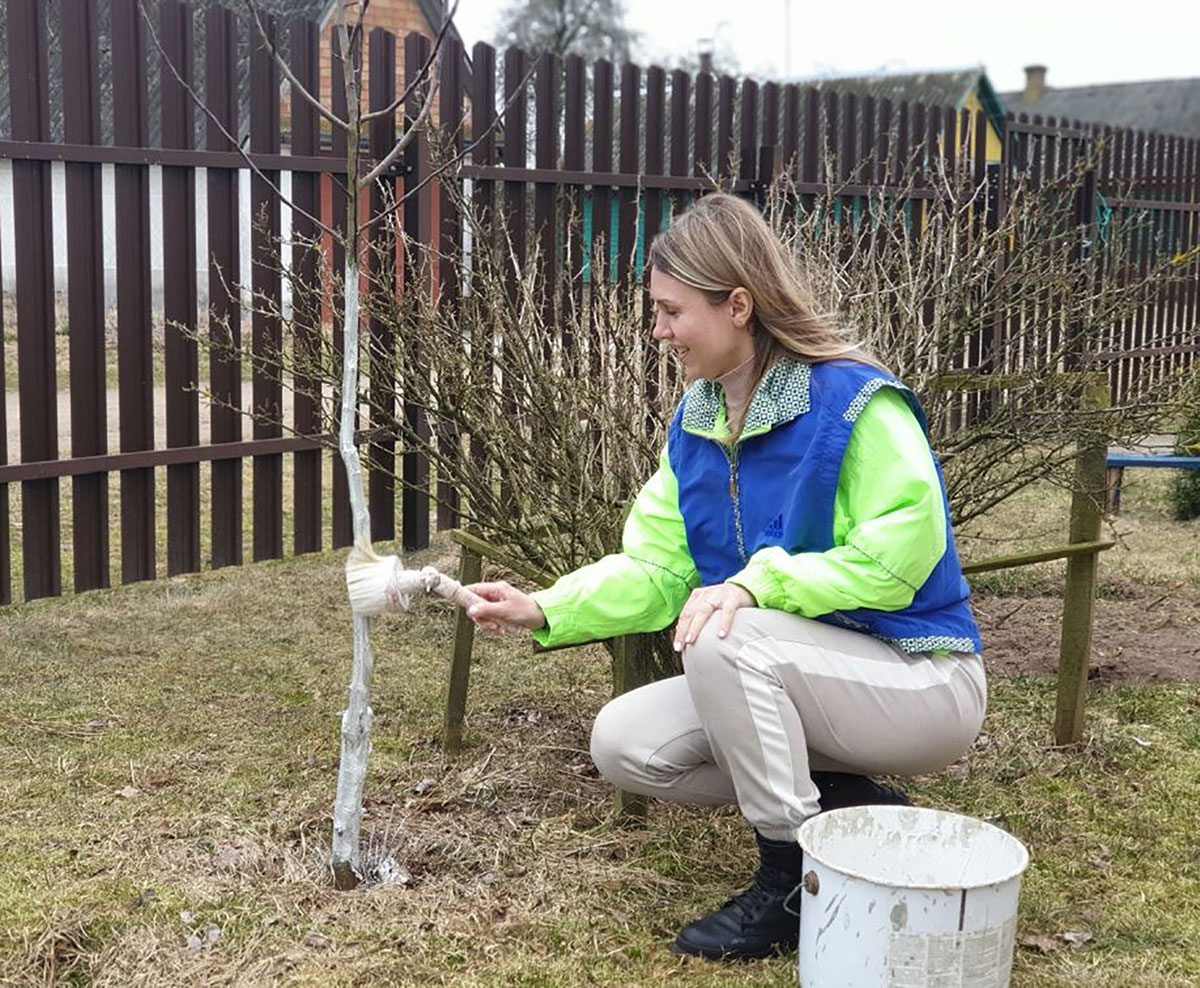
{"x":504,"y":607}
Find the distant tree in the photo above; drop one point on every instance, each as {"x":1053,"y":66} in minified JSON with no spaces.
{"x":591,"y":28}
{"x":715,"y":55}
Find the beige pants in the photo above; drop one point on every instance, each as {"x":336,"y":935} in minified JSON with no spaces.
{"x":779,"y":695}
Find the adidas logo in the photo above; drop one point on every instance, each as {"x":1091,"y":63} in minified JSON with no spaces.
{"x":775,"y":529}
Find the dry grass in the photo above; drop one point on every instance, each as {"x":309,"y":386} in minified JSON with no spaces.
{"x":168,"y":755}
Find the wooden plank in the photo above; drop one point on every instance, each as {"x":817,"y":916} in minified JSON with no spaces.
{"x":726,"y":95}
{"x":770,"y":114}
{"x":516,"y":98}
{"x":655,"y":164}
{"x":748,"y":131}
{"x":1192,"y":193}
{"x":869,"y":170}
{"x":34,"y":264}
{"x":414,"y":509}
{"x":1036,"y":556}
{"x":1140,"y":235}
{"x":628,"y":162}
{"x":546,"y":87}
{"x":450,"y":120}
{"x":702,"y":164}
{"x":631,"y":668}
{"x":307,"y":465}
{"x":483,"y":196}
{"x":601,"y":249}
{"x":265,"y":264}
{"x":813,"y":142}
{"x":179,"y":291}
{"x":381,"y":280}
{"x":791,"y":128}
{"x":85,"y":258}
{"x":135,"y":367}
{"x":470,"y":540}
{"x":470,"y":571}
{"x":1079,"y":594}
{"x":571,"y":299}
{"x":224,"y":306}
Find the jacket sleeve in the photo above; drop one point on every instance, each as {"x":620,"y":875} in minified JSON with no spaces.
{"x":641,"y":588}
{"x":889,"y":525}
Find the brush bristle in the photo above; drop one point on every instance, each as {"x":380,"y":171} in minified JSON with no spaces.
{"x":370,"y":583}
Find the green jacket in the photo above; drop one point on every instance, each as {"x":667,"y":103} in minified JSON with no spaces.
{"x":889,"y":533}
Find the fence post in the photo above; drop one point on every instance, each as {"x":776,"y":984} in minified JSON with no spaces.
{"x":1087,"y":507}
{"x":470,"y":571}
{"x":631,"y":657}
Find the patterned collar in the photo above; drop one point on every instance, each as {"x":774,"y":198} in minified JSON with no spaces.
{"x":781,"y":395}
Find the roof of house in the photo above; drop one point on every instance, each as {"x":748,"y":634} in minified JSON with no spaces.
{"x":284,"y":11}
{"x":949,"y":87}
{"x":1169,"y":106}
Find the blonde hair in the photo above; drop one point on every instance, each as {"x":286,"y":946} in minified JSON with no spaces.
{"x":722,"y":243}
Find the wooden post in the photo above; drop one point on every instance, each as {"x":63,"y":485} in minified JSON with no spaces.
{"x":630,"y":669}
{"x":1087,"y":511}
{"x":470,"y":570}
{"x":1116,"y":476}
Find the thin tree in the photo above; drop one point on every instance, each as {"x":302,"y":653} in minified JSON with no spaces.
{"x":375,"y":583}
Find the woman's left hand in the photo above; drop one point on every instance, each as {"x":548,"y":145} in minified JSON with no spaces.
{"x":704,"y":602}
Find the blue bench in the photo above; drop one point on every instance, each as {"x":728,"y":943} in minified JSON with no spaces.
{"x":1118,"y":462}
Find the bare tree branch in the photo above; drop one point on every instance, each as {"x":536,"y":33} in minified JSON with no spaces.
{"x":410,"y":131}
{"x":196,"y":98}
{"x":297,"y":86}
{"x":457,"y":158}
{"x":411,"y":88}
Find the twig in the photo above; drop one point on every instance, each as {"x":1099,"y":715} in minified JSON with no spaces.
{"x":297,"y":85}
{"x":412,"y":86}
{"x":221,"y":127}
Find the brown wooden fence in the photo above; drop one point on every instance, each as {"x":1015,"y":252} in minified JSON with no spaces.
{"x":628,"y":148}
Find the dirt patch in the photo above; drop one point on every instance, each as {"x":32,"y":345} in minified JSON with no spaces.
{"x":1140,"y":633}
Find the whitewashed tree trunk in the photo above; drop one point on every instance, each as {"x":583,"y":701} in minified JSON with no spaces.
{"x":356,"y":718}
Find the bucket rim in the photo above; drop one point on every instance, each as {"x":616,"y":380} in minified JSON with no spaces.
{"x":822,"y":820}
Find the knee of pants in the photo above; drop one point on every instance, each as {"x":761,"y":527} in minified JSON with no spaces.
{"x":611,"y":743}
{"x":710,"y":659}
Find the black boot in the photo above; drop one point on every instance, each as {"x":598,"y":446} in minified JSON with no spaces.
{"x":841,"y":789}
{"x":755,"y":923}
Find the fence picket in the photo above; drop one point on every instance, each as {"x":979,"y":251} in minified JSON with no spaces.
{"x":135,"y":367}
{"x":418,"y":271}
{"x":30,"y":121}
{"x":381,"y":279}
{"x":672,"y":146}
{"x":450,"y":120}
{"x":306,"y":290}
{"x":85,"y":296}
{"x":265,"y":267}
{"x":224,"y":306}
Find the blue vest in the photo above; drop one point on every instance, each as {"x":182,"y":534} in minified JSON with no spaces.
{"x":777,"y":487}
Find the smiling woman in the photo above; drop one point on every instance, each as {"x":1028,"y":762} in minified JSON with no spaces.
{"x":797,"y":535}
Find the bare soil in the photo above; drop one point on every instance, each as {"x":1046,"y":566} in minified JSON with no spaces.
{"x":1140,"y":633}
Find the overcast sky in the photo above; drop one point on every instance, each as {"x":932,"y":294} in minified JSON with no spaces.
{"x":1080,"y":42}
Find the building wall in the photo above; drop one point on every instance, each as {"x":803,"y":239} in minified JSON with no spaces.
{"x":994,"y":140}
{"x":401,"y":17}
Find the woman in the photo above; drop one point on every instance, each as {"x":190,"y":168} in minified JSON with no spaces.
{"x":797,"y":533}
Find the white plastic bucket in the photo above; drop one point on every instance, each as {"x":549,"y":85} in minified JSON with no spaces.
{"x":904,"y":897}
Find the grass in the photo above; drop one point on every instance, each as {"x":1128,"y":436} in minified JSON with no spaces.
{"x":168,"y":754}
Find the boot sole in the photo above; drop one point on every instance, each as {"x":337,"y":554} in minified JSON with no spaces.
{"x":685,"y":949}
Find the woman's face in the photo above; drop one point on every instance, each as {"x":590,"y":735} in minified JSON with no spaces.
{"x":708,"y":340}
